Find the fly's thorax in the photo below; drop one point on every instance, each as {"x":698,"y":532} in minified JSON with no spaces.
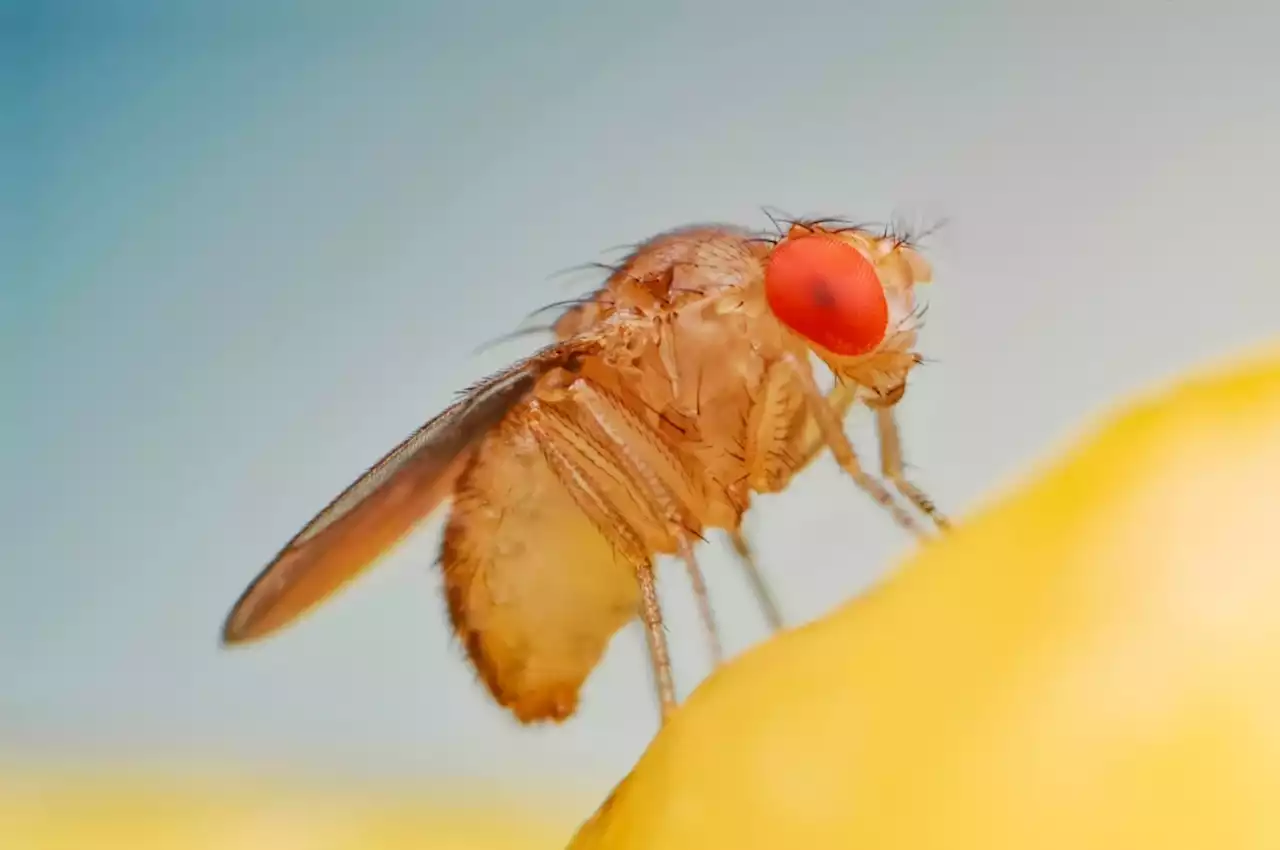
{"x":666,"y":271}
{"x":698,"y":377}
{"x":582,"y":317}
{"x":552,"y":388}
{"x":742,"y":320}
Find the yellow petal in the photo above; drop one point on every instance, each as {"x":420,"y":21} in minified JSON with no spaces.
{"x":1092,"y":661}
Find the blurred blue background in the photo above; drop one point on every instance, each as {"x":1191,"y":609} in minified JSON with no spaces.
{"x":245,"y":247}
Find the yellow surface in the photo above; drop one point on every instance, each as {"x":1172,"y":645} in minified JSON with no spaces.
{"x":145,"y":810}
{"x":1090,"y":662}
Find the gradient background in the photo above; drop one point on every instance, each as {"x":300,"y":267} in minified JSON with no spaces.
{"x":245,"y":247}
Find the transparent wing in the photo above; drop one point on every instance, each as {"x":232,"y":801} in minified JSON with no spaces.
{"x":385,"y":503}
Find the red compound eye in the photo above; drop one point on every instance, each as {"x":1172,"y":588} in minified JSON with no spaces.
{"x":825,"y":290}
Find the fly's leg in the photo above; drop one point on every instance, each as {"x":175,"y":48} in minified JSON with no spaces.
{"x":705,"y":612}
{"x":834,"y":436}
{"x":759,"y":586}
{"x":655,"y":636}
{"x":612,"y":424}
{"x":810,"y":442}
{"x":774,"y":452}
{"x":891,"y":467}
{"x":618,"y":529}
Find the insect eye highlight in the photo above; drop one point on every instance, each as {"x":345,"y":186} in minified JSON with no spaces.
{"x":824,"y":289}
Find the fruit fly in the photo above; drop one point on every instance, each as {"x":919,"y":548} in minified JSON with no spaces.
{"x":671,"y":395}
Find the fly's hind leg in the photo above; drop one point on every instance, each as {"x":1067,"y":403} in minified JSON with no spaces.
{"x":613,"y":423}
{"x":891,"y":467}
{"x":595,"y":430}
{"x":558,"y":451}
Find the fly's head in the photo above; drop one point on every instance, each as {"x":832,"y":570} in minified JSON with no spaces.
{"x":850,"y":295}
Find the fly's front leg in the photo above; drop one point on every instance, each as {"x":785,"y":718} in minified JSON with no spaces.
{"x":832,"y":429}
{"x":557,"y":447}
{"x":775,"y":451}
{"x":840,"y":398}
{"x":810,"y":442}
{"x":613,"y":424}
{"x":891,"y":467}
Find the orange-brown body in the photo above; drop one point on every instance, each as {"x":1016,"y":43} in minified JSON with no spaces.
{"x":673,"y":395}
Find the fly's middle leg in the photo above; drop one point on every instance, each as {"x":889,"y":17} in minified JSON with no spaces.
{"x":759,"y":586}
